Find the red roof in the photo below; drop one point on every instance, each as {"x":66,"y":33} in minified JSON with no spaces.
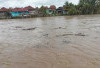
{"x":53,"y":7}
{"x":19,"y":9}
{"x":3,"y":9}
{"x":10,"y":9}
{"x":29,"y":8}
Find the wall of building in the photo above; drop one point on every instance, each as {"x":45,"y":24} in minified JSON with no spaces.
{"x":48,"y":11}
{"x":16,"y":13}
{"x":2,"y":15}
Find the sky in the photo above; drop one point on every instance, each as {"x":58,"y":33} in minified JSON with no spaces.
{"x":34,"y":3}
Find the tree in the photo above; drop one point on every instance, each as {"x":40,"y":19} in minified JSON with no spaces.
{"x":72,"y":10}
{"x":88,"y":6}
{"x":43,"y":10}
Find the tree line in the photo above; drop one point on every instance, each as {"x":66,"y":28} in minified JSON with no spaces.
{"x":84,"y":7}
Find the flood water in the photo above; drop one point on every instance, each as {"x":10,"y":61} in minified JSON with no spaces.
{"x":50,"y":42}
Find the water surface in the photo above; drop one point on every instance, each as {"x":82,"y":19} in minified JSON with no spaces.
{"x":50,"y":42}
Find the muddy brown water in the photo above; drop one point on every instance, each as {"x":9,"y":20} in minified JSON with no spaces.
{"x":50,"y":42}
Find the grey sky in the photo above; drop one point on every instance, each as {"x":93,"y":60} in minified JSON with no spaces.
{"x":34,"y":3}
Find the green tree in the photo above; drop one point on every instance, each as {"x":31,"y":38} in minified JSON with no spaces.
{"x":84,"y":7}
{"x":88,"y":6}
{"x":72,"y":10}
{"x":43,"y":10}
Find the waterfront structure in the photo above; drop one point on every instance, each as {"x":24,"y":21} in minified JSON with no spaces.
{"x":17,"y":12}
{"x":32,"y":12}
{"x":4,"y":13}
{"x":30,"y":9}
{"x":51,"y":10}
{"x":61,"y":10}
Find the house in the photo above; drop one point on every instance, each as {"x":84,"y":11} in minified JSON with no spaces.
{"x":61,"y":10}
{"x":30,"y":9}
{"x":22,"y":12}
{"x":4,"y":13}
{"x":19,"y":12}
{"x":65,"y":11}
{"x":51,"y":10}
{"x":36,"y":12}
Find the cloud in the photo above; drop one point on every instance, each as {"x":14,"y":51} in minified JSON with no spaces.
{"x":34,"y":3}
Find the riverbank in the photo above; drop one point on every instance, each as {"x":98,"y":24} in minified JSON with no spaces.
{"x":45,"y":16}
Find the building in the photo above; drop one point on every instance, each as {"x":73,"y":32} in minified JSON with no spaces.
{"x":4,"y":13}
{"x":53,"y":7}
{"x":61,"y":10}
{"x":19,"y":12}
{"x":51,"y":10}
{"x":30,"y":9}
{"x":22,"y":12}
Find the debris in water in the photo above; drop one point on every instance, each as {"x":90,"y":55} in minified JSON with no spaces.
{"x":67,"y":34}
{"x":18,"y":27}
{"x":80,"y":34}
{"x":46,"y":35}
{"x":30,"y":28}
{"x":64,"y":35}
{"x":65,"y":41}
{"x":60,"y":28}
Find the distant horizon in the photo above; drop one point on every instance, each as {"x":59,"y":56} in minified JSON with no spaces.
{"x":36,"y":3}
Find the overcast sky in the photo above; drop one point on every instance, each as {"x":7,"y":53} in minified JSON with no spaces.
{"x":34,"y":3}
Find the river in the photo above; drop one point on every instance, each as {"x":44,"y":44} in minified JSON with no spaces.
{"x":50,"y":42}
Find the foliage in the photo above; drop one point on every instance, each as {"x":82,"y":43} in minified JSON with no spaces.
{"x":84,"y":7}
{"x":43,"y":10}
{"x":7,"y":14}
